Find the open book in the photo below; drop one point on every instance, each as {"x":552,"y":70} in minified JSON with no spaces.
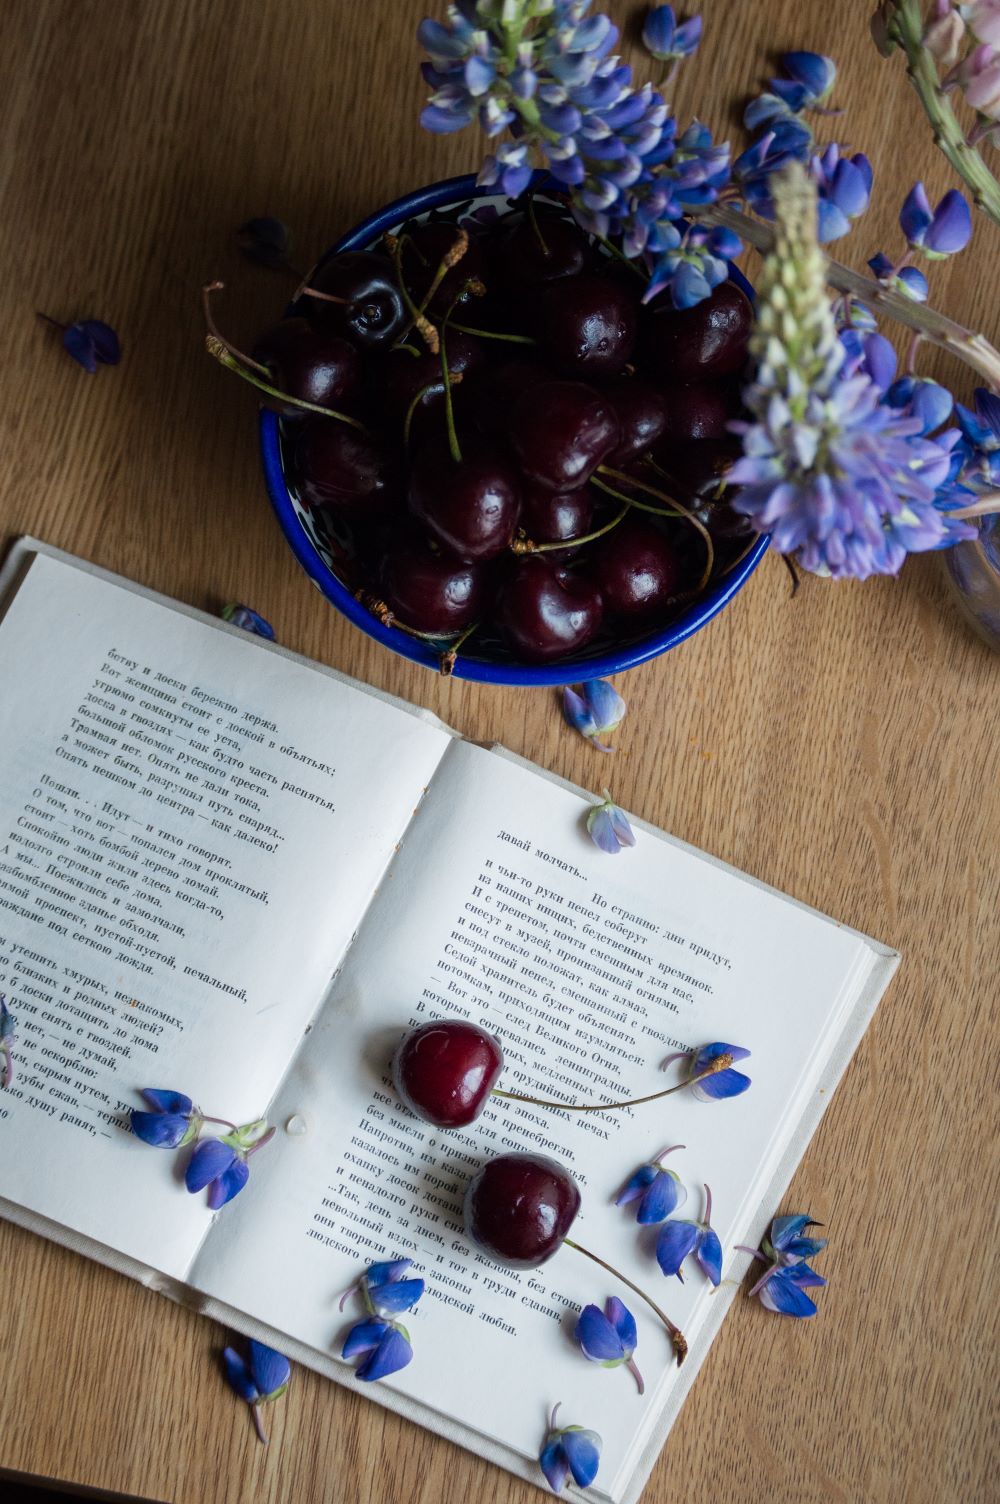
{"x":231,"y":872}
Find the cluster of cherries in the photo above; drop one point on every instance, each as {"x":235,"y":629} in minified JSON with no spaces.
{"x":497,"y":439}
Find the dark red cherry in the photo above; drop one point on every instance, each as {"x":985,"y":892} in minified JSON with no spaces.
{"x":642,"y":417}
{"x":544,"y":612}
{"x":404,"y":379}
{"x":693,"y":344}
{"x":698,"y":469}
{"x":338,"y":466}
{"x":637,"y":570}
{"x":494,"y":390}
{"x":588,"y":326}
{"x":531,"y":257}
{"x":700,"y":411}
{"x":560,"y":432}
{"x":423,"y":250}
{"x":308,"y":364}
{"x":445,"y":1071}
{"x":551,"y":516}
{"x":372,"y":314}
{"x":429,"y":590}
{"x":519,"y":1209}
{"x":471,"y":507}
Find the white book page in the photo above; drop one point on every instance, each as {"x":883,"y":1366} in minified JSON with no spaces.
{"x":191,"y":826}
{"x":591,"y":968}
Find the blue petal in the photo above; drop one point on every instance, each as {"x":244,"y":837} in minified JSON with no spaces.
{"x":815,"y":72}
{"x":916,"y":214}
{"x":554,"y":1464}
{"x":622,"y":829}
{"x":688,"y":287}
{"x":673,"y":1245}
{"x":602,"y":831}
{"x":248,"y":619}
{"x":166,"y":1101}
{"x":801,"y":1275}
{"x":383,"y":1274}
{"x":164,"y":1130}
{"x":831,"y":221}
{"x":804,"y":1248}
{"x":270,"y":1369}
{"x":723,"y":1084}
{"x":238,"y":1377}
{"x":849,"y":189}
{"x":583,"y":1453}
{"x":784,"y":1229}
{"x":392,"y":1354}
{"x":623,"y":1321}
{"x":79,"y":344}
{"x":660,"y":1200}
{"x":363,"y":1338}
{"x":210,"y":1159}
{"x":577,"y":713}
{"x":783,"y":1295}
{"x":606,"y":706}
{"x":703,"y":1058}
{"x":914,"y":282}
{"x":988,"y":409}
{"x":951,"y":228}
{"x":636,"y":1184}
{"x":879,"y":361}
{"x":229,"y":1184}
{"x":709,"y":1255}
{"x":103,"y":340}
{"x":597,"y":1336}
{"x":400,"y":1295}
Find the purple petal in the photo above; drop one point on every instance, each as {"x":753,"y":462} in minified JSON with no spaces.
{"x":660,"y":1200}
{"x":783,"y":1295}
{"x":597,"y":1337}
{"x":555,"y":1465}
{"x":164,"y":1130}
{"x":722,"y":1084}
{"x":624,"y":833}
{"x":238,"y":1377}
{"x":606,"y":706}
{"x":166,"y":1101}
{"x":673,"y":1245}
{"x":385,"y":1273}
{"x":397,"y":1296}
{"x":270,"y":1369}
{"x":393,"y":1353}
{"x":602,"y":832}
{"x":709,"y":1255}
{"x":229,"y":1184}
{"x":916,"y":214}
{"x":623,"y":1321}
{"x":577,"y":712}
{"x":636,"y":1184}
{"x":583,"y":1453}
{"x":951,"y":228}
{"x":210,"y":1159}
{"x":363,"y":1338}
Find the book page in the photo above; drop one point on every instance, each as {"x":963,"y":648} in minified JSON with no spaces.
{"x":191,"y":826}
{"x":591,"y":968}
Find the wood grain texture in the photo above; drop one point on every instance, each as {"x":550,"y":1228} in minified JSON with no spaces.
{"x":842,"y":747}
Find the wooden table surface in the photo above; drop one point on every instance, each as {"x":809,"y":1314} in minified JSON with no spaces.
{"x":842,"y":746}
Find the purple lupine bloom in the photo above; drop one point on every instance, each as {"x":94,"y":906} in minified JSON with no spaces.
{"x":594,"y":709}
{"x":250,"y":621}
{"x":89,"y":341}
{"x":659,"y":1191}
{"x":380,"y":1339}
{"x":609,"y":1337}
{"x":668,"y":40}
{"x":262,"y":1377}
{"x":937,"y":232}
{"x":173,"y":1119}
{"x":785,"y":1249}
{"x":844,"y":186}
{"x":710,"y":1070}
{"x":608,"y":826}
{"x":908,"y":280}
{"x":221,"y":1164}
{"x":677,"y":1240}
{"x":569,"y":1452}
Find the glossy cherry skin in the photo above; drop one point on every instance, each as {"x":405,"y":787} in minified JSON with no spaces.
{"x":471,"y":507}
{"x":445,"y":1071}
{"x":703,"y":410}
{"x":560,"y":432}
{"x":544,"y":612}
{"x":429,"y":590}
{"x":530,"y":258}
{"x":405,"y":380}
{"x":494,"y":389}
{"x":699,"y":343}
{"x":315,"y":367}
{"x":519,"y":1209}
{"x":372,"y":315}
{"x":551,"y":516}
{"x":697,"y":469}
{"x":588,"y":326}
{"x":637,"y":569}
{"x":641,"y":411}
{"x":338,"y":466}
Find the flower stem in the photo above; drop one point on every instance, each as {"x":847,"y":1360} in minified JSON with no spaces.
{"x":217,"y":349}
{"x":525,"y":545}
{"x":973,"y":349}
{"x":677,"y":1338}
{"x":259,"y":1423}
{"x":720,"y":1063}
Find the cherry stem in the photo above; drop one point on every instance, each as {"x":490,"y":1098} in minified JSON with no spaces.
{"x":790,"y":566}
{"x":382,"y":613}
{"x":411,"y":410}
{"x":679,"y":510}
{"x":677,"y":1338}
{"x":620,"y":255}
{"x":448,"y":659}
{"x":213,"y":329}
{"x":449,"y":408}
{"x":46,"y":319}
{"x":418,"y":319}
{"x":323,"y":297}
{"x":536,"y":227}
{"x":511,"y":339}
{"x":513,"y":1096}
{"x":258,"y":1423}
{"x":525,"y":545}
{"x":219,"y":351}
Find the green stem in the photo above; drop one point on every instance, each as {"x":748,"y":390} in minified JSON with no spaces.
{"x":536,"y":227}
{"x":514,"y":339}
{"x":525,"y":545}
{"x":449,"y":408}
{"x":446,"y":663}
{"x":610,"y":246}
{"x":218,"y":351}
{"x":677,"y":1338}
{"x":674,"y":509}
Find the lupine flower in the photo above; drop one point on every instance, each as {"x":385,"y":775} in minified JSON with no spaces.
{"x":908,"y":280}
{"x":569,"y":1452}
{"x":383,"y":1341}
{"x":90,"y":342}
{"x":609,"y":1337}
{"x":944,"y":34}
{"x":927,"y":400}
{"x":784,"y":1292}
{"x":263,"y":1378}
{"x":983,"y":19}
{"x":608,"y":826}
{"x":840,"y":480}
{"x":844,"y":186}
{"x":658,"y":1190}
{"x":710,"y":1070}
{"x":242,"y":616}
{"x":980,"y":442}
{"x":810,"y":79}
{"x":979,"y":75}
{"x":667,"y":40}
{"x":266,"y":241}
{"x":221,"y":1163}
{"x":172,"y":1121}
{"x":785,"y":1249}
{"x":689,"y":262}
{"x":594,"y":709}
{"x":677,"y":1240}
{"x":937,"y":232}
{"x":7,"y":1041}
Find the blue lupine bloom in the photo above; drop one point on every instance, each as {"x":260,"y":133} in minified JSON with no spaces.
{"x":92,"y":343}
{"x":785,"y":1249}
{"x":844,"y":186}
{"x":608,"y":826}
{"x":242,"y":616}
{"x":979,"y":445}
{"x":784,"y":1291}
{"x":787,"y":141}
{"x":937,"y":232}
{"x":609,"y":1337}
{"x":668,"y":41}
{"x":710,"y":1070}
{"x":810,"y":79}
{"x":172,"y":1121}
{"x":924,"y":399}
{"x":677,"y":1240}
{"x":385,"y":1346}
{"x":689,"y":263}
{"x":569,"y":1452}
{"x":262,"y":1378}
{"x":221,"y":1163}
{"x":594,"y":709}
{"x":385,"y":1290}
{"x":7,"y":1041}
{"x":266,"y":241}
{"x":383,"y":1341}
{"x":659,"y":1191}
{"x":908,"y":280}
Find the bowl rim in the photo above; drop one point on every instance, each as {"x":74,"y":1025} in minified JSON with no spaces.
{"x":614,"y":661}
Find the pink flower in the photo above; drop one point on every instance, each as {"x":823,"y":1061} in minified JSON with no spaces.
{"x":983,"y":19}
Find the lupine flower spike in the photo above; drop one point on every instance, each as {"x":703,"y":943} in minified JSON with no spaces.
{"x":785,"y":1250}
{"x":710,"y":1070}
{"x":242,"y":616}
{"x":7,"y":1041}
{"x":609,"y":1337}
{"x":259,"y":1380}
{"x":608,"y":826}
{"x":569,"y":1452}
{"x":679,"y":1239}
{"x":381,"y":1340}
{"x":594,"y":709}
{"x":659,"y":1191}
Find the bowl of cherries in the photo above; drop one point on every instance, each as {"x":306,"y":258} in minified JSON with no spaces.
{"x":491,"y":456}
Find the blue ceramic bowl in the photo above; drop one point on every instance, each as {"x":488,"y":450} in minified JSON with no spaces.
{"x":314,"y":556}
